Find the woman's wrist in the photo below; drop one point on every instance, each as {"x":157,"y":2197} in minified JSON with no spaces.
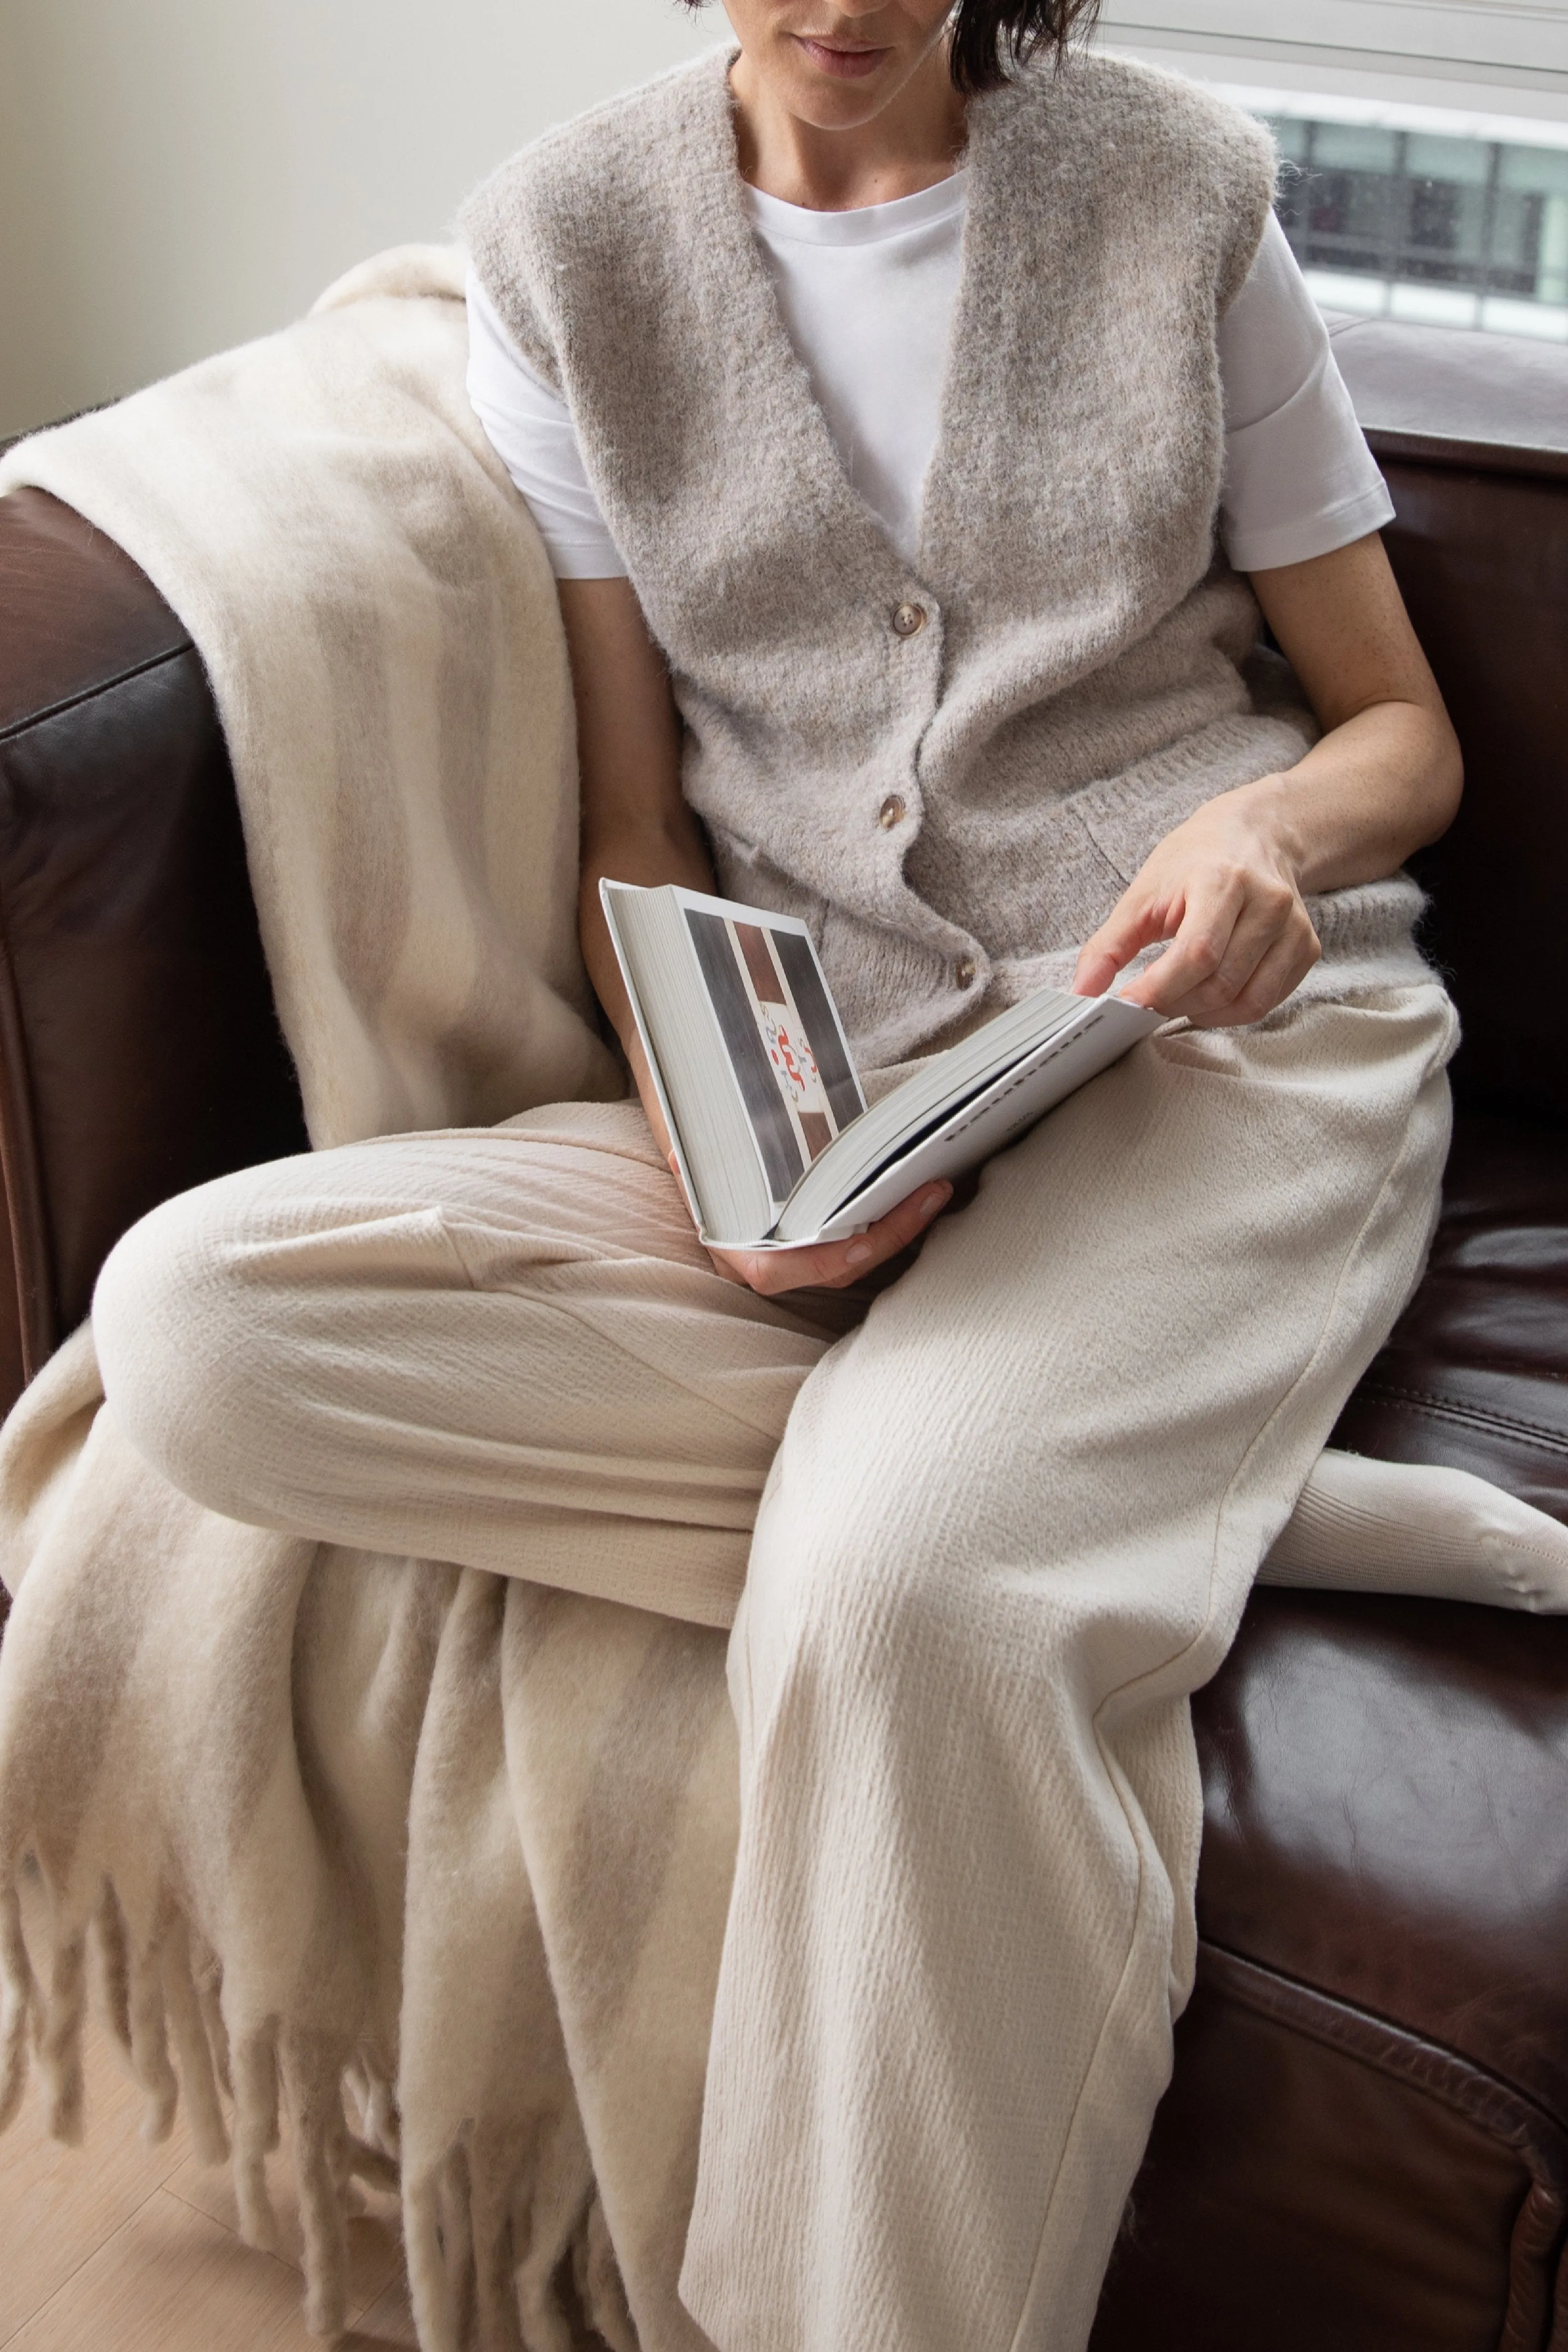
{"x":1363,"y":800}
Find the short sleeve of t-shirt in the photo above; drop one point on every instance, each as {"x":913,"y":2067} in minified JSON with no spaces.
{"x":531,"y":430}
{"x":1300,"y":480}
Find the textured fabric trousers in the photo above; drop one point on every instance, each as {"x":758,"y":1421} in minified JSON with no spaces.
{"x":1003,"y":1526}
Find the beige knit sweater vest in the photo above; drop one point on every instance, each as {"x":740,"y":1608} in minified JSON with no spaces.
{"x":950,"y":770}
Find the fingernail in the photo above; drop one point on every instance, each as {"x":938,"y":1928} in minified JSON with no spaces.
{"x":935,"y":1199}
{"x":858,"y":1253}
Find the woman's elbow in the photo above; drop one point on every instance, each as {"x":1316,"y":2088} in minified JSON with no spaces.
{"x":1444,"y":778}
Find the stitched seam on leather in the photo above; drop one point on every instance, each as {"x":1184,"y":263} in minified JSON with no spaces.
{"x":1345,"y":2026}
{"x":20,"y":727}
{"x":1443,"y":1407}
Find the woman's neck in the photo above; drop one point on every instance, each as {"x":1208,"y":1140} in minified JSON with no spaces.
{"x":915,"y":141}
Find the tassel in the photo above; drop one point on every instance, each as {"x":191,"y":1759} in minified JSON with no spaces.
{"x":457,"y":2238}
{"x":382,"y":2126}
{"x":18,"y":1996}
{"x":356,"y":2091}
{"x":255,"y":2134}
{"x":59,"y":2048}
{"x":489,"y":2225}
{"x":150,"y":2045}
{"x":373,"y":2165}
{"x":429,"y":2288}
{"x":113,"y":1959}
{"x":604,"y":2301}
{"x":550,"y":2212}
{"x":209,"y":1973}
{"x":311,"y":2088}
{"x":340,"y":2154}
{"x":208,"y":2135}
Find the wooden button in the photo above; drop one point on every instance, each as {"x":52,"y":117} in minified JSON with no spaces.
{"x":909,"y":619}
{"x":964,"y":971}
{"x":891,"y":812}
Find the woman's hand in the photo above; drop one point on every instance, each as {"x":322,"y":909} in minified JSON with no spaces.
{"x":834,"y":1265}
{"x":1226,"y":888}
{"x":1223,"y":890}
{"x":823,"y":1266}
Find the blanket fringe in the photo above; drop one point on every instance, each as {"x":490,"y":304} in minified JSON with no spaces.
{"x":491,"y":2215}
{"x":149,"y":2042}
{"x":514,"y":2256}
{"x":602,"y":2295}
{"x":209,"y":1989}
{"x":59,"y":2045}
{"x":312,"y":2092}
{"x":198,"y":2076}
{"x":255,"y":2137}
{"x":507,"y":2250}
{"x":380,"y":2124}
{"x":18,"y":2002}
{"x":110,"y":1947}
{"x":431,"y":2285}
{"x":550,"y":2217}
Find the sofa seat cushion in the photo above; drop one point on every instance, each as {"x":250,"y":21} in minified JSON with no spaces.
{"x":1475,"y":1374}
{"x":1386,"y":1820}
{"x":1386,"y":1780}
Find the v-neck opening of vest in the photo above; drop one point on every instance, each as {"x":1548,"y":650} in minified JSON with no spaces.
{"x":729,"y":193}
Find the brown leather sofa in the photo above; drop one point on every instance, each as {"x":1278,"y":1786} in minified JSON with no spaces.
{"x":1365,"y":2145}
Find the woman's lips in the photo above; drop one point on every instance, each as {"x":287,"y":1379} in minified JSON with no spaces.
{"x":851,"y":65}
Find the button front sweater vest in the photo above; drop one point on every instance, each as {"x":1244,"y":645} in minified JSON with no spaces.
{"x":1069,"y":668}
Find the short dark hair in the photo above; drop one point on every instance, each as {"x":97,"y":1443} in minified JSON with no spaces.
{"x":992,"y":38}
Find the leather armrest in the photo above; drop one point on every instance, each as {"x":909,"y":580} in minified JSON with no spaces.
{"x":1367,"y":2142}
{"x":139,"y":1051}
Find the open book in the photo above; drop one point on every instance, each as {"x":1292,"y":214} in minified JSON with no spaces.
{"x":771,"y":1131}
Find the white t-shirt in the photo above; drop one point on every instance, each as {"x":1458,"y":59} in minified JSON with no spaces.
{"x":867,"y":298}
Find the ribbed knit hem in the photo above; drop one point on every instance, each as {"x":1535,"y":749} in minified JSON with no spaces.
{"x":1368,"y":940}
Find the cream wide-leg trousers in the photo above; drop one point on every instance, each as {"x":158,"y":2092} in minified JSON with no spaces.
{"x":1003,"y":1529}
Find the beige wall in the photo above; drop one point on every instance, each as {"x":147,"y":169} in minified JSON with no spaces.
{"x":176,"y":175}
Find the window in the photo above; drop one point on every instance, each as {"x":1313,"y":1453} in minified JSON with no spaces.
{"x":1426,"y":143}
{"x":1424,"y":224}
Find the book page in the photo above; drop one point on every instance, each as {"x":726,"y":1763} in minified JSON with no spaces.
{"x":783,"y":1044}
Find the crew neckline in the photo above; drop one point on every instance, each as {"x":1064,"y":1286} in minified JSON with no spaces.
{"x":866,"y":224}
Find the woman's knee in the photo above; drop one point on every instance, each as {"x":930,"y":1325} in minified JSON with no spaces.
{"x":186,"y":1346}
{"x":848,"y":1590}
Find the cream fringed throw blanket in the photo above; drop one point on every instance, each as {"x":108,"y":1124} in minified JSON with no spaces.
{"x":431,"y":1864}
{"x":315,"y":1818}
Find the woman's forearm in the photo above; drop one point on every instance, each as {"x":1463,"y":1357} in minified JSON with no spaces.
{"x":1375,"y":788}
{"x":636,"y":826}
{"x":649,"y":854}
{"x":1386,"y":775}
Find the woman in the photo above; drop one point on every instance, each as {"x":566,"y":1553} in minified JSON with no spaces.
{"x":873,"y":388}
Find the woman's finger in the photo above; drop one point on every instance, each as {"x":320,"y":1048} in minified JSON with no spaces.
{"x":1262,"y":941}
{"x":1282,"y":972}
{"x":832,"y":1265}
{"x":1135,"y":922}
{"x":1271,"y":912}
{"x":1196,"y":955}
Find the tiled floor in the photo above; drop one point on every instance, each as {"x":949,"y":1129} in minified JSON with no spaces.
{"x":119,"y":2247}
